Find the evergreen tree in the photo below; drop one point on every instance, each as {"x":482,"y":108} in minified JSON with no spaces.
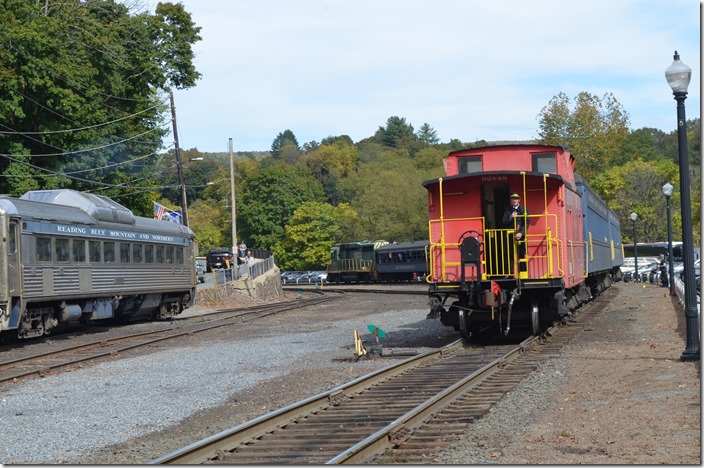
{"x":427,"y":134}
{"x":285,"y":140}
{"x":396,"y":132}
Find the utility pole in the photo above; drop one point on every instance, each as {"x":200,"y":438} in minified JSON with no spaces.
{"x":182,"y":184}
{"x":232,"y":202}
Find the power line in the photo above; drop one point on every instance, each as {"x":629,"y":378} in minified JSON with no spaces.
{"x":51,"y":132}
{"x":68,"y":153}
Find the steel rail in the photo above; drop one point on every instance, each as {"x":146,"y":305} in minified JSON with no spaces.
{"x":107,"y":347}
{"x":321,"y":435}
{"x":384,"y":438}
{"x":211,"y":447}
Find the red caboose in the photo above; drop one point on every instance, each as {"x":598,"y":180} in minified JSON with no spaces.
{"x":492,"y":277}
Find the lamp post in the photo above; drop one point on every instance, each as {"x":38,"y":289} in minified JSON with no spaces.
{"x":667,"y":190}
{"x":678,"y":75}
{"x":636,"y":277}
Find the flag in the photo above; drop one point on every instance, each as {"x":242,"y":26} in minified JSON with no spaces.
{"x":159,"y":210}
{"x":495,"y":288}
{"x":164,"y":214}
{"x":176,"y":217}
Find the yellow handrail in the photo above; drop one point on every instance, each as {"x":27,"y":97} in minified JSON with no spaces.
{"x":543,"y":248}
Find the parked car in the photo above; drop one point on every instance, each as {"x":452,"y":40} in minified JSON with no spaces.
{"x":291,"y":276}
{"x":200,"y":272}
{"x":308,"y":277}
{"x":680,"y":271}
{"x":322,"y":277}
{"x":645,"y":265}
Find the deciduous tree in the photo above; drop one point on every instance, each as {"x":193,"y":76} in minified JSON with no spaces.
{"x":310,"y":233}
{"x":637,"y":187}
{"x":593,"y":129}
{"x":269,"y":199}
{"x":390,"y":200}
{"x":79,"y":81}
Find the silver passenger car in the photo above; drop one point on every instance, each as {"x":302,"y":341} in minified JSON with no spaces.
{"x":73,"y":257}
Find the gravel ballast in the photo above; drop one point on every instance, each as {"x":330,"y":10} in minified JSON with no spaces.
{"x":617,"y":394}
{"x":61,"y":417}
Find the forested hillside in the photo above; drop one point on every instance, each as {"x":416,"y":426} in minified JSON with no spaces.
{"x":301,"y":199}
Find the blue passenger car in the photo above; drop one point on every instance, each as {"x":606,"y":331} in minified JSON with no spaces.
{"x":602,"y":232}
{"x":402,"y":261}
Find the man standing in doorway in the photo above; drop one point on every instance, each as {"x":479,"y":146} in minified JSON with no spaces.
{"x":516,"y":218}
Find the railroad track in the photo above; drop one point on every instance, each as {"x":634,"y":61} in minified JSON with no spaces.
{"x":399,"y":414}
{"x":409,"y":290}
{"x":27,"y":364}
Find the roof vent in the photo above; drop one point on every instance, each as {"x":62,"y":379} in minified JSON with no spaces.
{"x":98,"y":207}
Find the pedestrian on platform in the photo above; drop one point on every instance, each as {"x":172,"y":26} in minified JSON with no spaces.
{"x":664,"y":281}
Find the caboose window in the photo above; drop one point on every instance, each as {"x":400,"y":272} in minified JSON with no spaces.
{"x":544,"y":162}
{"x":94,"y":251}
{"x":61,"y":249}
{"x":169,"y":254}
{"x":179,"y":256}
{"x":78,"y":250}
{"x":159,"y":254}
{"x":43,"y":249}
{"x":469,"y":165}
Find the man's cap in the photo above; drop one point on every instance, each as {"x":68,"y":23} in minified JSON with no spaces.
{"x":515,"y":195}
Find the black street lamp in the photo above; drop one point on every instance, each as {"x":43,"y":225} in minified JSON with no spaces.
{"x":678,"y":75}
{"x":667,"y":190}
{"x":636,"y":277}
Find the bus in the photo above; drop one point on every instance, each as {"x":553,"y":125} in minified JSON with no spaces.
{"x":654,"y":249}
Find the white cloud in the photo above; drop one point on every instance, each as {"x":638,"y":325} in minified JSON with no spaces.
{"x":471,"y":69}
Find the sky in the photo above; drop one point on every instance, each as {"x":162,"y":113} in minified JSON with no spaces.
{"x":472,"y":70}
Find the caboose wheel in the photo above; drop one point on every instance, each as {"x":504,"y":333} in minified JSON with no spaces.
{"x":535,"y":316}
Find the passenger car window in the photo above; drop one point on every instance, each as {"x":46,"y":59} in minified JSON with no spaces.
{"x":124,"y":253}
{"x":43,"y":249}
{"x":61,"y":249}
{"x":12,"y":243}
{"x":137,"y":253}
{"x":78,"y":250}
{"x":109,"y":252}
{"x":94,"y":251}
{"x":149,"y":254}
{"x":159,"y":254}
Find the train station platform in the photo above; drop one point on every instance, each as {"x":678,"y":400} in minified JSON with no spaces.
{"x":220,"y":291}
